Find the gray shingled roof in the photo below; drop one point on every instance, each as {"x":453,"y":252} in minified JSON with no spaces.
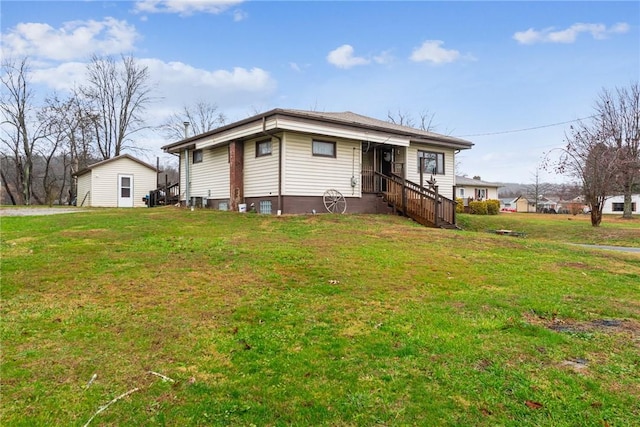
{"x":351,"y":118}
{"x":463,"y":180}
{"x":346,"y":118}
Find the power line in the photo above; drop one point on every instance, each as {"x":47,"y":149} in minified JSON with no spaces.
{"x":527,"y":129}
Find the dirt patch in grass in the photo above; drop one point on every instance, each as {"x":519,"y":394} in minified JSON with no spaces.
{"x":603,"y":326}
{"x":83,"y":233}
{"x":576,"y":265}
{"x":606,"y":326}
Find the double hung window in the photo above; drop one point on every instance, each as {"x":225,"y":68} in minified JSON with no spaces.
{"x":432,"y":162}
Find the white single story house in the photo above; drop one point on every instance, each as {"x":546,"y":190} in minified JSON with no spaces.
{"x":287,"y":160}
{"x":615,"y":204}
{"x":475,"y":189}
{"x":121,"y":181}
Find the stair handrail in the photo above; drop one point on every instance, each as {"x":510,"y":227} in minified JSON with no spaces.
{"x":442,"y":203}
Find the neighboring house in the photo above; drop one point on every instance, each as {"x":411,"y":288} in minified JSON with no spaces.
{"x":615,"y":204}
{"x":522,"y":204}
{"x":475,"y":189}
{"x":547,"y":205}
{"x":286,"y":160}
{"x":508,"y":205}
{"x":121,"y":181}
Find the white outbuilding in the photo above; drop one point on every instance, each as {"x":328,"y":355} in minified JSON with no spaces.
{"x":121,"y":182}
{"x":615,"y":205}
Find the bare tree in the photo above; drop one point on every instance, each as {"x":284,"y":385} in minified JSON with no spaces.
{"x":20,"y":130}
{"x":425,"y":120}
{"x":589,"y":159}
{"x":537,"y":190}
{"x":118,"y":94}
{"x":71,"y":125}
{"x":619,"y":114}
{"x":50,"y":180}
{"x":5,"y":164}
{"x":402,"y":118}
{"x":604,"y":153}
{"x":202,"y":116}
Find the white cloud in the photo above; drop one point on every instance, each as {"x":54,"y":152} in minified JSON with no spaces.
{"x":432,"y":51}
{"x":342,"y":57}
{"x":74,"y":40}
{"x":384,"y":57}
{"x":239,"y":15}
{"x":178,"y":74}
{"x":177,"y":83}
{"x":238,"y":79}
{"x":569,"y":35}
{"x":185,"y":7}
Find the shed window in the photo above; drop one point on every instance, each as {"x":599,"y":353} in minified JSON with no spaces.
{"x":461,"y":192}
{"x":197,"y":156}
{"x":324,"y":148}
{"x":263,"y":148}
{"x":433,"y":163}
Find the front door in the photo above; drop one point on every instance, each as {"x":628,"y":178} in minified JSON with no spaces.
{"x":386,"y":164}
{"x":125,"y":191}
{"x":386,"y":160}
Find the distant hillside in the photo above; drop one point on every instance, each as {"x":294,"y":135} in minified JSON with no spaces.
{"x":549,"y":190}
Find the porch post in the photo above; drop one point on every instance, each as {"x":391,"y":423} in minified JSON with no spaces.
{"x":422,"y":185}
{"x":455,"y":205}
{"x":437,"y":205}
{"x":404,"y":195}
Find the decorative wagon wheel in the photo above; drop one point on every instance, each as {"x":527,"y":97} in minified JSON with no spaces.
{"x":334,"y":201}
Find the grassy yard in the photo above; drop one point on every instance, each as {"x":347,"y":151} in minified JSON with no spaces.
{"x":317,"y":320}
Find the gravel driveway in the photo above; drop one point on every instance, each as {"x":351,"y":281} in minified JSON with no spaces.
{"x":37,"y":211}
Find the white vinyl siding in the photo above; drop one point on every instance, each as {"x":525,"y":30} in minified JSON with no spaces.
{"x":444,"y":182}
{"x":104,"y":182}
{"x":608,"y":207}
{"x":307,"y":175}
{"x":209,"y":178}
{"x":260,"y":173}
{"x":84,"y":190}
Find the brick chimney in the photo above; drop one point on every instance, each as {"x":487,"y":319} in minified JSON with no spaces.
{"x":236,"y":173}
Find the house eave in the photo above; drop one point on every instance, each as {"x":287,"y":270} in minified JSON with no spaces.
{"x":287,"y":120}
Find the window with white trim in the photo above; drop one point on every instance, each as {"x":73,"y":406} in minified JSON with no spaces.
{"x":433,"y":162}
{"x":323,"y":148}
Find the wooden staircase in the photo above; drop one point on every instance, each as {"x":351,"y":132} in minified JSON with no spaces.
{"x":423,"y":205}
{"x":164,"y":196}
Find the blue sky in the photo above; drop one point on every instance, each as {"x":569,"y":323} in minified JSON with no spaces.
{"x":482,"y":69}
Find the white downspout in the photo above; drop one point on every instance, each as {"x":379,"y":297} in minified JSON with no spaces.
{"x":187,"y":177}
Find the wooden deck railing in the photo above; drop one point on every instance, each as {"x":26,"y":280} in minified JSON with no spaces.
{"x":165,"y":195}
{"x":423,"y":205}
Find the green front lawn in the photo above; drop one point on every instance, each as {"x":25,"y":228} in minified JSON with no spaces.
{"x":317,"y":320}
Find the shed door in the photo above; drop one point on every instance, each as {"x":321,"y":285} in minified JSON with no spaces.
{"x":125,"y":191}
